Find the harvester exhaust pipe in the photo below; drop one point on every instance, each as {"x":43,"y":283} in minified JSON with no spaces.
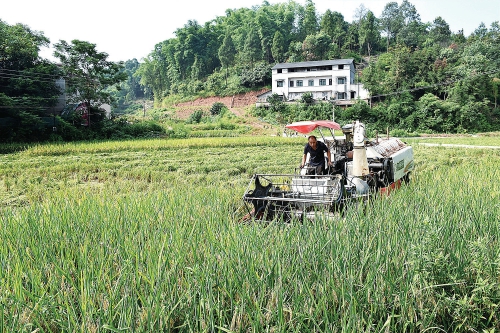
{"x":359,"y":159}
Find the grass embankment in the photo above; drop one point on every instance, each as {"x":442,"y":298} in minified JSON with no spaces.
{"x":484,"y":139}
{"x":140,"y":237}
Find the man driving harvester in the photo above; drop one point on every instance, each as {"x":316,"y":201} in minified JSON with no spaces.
{"x":316,"y":150}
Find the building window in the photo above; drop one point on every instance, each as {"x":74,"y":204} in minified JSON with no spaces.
{"x":300,"y":83}
{"x":341,"y":80}
{"x":280,"y":70}
{"x":341,"y":95}
{"x":310,"y":83}
{"x":279,"y":83}
{"x":341,"y":66}
{"x":322,"y":82}
{"x":291,"y":83}
{"x":329,"y":82}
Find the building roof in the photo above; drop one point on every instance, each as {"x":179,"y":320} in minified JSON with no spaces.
{"x":314,"y":63}
{"x":269,"y":92}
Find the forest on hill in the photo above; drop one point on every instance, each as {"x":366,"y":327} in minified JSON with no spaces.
{"x":422,"y":76}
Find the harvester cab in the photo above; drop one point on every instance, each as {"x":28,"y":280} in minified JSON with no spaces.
{"x":360,"y":169}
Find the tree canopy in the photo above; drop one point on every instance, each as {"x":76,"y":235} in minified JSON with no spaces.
{"x":28,"y":87}
{"x":88,"y":72}
{"x":420,"y":75}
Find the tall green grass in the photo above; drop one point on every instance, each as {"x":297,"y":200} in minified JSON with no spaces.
{"x":145,"y":241}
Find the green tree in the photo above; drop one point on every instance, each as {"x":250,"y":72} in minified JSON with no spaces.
{"x":196,"y":68}
{"x":278,"y":48}
{"x":495,"y":86}
{"x":227,"y":53}
{"x":368,"y":33}
{"x":391,"y":21}
{"x":481,"y":30}
{"x":310,"y":19}
{"x":316,"y":47}
{"x":295,"y":53}
{"x":475,"y":68}
{"x":440,"y":32}
{"x":266,"y":26}
{"x":258,"y":75}
{"x":352,"y":39}
{"x":149,"y":77}
{"x":133,"y":81}
{"x":27,"y":85}
{"x":276,"y":103}
{"x":436,"y":115}
{"x":132,"y":88}
{"x":333,"y":24}
{"x":413,"y":31}
{"x":252,"y":49}
{"x":359,"y":15}
{"x":88,"y":72}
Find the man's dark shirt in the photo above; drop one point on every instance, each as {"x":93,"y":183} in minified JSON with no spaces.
{"x":318,"y":155}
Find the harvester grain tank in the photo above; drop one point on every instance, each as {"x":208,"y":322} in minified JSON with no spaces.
{"x":361,"y":169}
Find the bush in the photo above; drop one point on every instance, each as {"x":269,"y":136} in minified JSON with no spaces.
{"x":276,"y":103}
{"x":177,"y":132}
{"x":195,"y":117}
{"x":144,"y":129}
{"x":217,"y":108}
{"x":307,"y":98}
{"x":67,"y":131}
{"x":215,"y":83}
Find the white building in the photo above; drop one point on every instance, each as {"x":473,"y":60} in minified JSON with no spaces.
{"x":326,"y":80}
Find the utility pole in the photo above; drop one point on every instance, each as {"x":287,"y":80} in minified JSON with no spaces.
{"x":333,"y":109}
{"x":54,"y":126}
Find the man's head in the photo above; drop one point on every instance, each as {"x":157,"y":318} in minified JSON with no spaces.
{"x":312,"y":141}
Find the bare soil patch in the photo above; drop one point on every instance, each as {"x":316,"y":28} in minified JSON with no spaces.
{"x":237,"y":104}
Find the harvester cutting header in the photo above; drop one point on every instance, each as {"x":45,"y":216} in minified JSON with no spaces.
{"x":355,"y":169}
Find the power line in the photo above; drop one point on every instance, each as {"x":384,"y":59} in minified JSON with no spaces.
{"x":34,"y":98}
{"x":42,"y":77}
{"x":26,"y":103}
{"x":24,"y":107}
{"x":19,"y":72}
{"x":8,"y":76}
{"x":25,"y":77}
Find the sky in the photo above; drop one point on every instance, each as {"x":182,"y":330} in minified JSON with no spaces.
{"x":127,"y":30}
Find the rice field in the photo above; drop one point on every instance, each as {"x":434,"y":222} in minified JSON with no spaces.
{"x":140,"y":236}
{"x":486,"y":139}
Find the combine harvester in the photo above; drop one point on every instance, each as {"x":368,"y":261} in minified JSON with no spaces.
{"x":361,"y":169}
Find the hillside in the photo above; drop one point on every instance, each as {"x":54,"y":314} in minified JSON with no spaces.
{"x":237,"y":104}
